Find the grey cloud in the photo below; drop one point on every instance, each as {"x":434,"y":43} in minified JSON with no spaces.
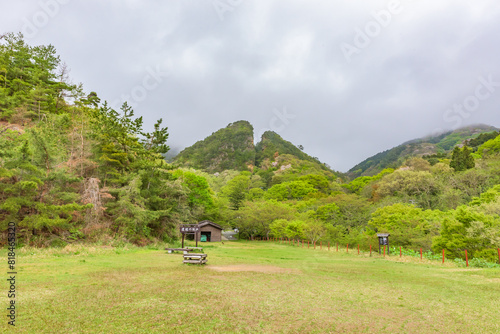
{"x":276,"y":54}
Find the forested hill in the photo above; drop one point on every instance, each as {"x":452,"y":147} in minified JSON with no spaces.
{"x":272,"y":143}
{"x":232,"y":148}
{"x":229,"y":148}
{"x":432,"y":148}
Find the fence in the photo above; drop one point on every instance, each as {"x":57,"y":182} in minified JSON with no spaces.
{"x":407,"y":252}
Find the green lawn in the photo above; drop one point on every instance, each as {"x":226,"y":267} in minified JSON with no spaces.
{"x":254,"y":287}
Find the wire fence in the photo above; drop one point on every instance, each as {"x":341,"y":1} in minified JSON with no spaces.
{"x":385,"y":251}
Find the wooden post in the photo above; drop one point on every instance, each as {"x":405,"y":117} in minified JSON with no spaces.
{"x":196,"y":237}
{"x":443,"y":255}
{"x":329,"y":246}
{"x":466,"y":259}
{"x":384,"y":250}
{"x":337,"y":246}
{"x":370,"y":250}
{"x":182,"y":240}
{"x":420,"y":253}
{"x":400,"y":252}
{"x":347,"y":248}
{"x":314,"y":244}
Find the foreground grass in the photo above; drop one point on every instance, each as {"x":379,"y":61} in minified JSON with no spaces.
{"x":270,"y":288}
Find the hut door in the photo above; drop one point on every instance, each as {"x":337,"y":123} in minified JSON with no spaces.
{"x":208,"y":236}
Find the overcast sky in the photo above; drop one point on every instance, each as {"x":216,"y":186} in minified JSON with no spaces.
{"x":345,"y":79}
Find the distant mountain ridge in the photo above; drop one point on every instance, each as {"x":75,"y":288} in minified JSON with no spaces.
{"x":233,"y":147}
{"x":430,"y":145}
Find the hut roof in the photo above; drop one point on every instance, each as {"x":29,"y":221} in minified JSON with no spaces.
{"x":208,"y":222}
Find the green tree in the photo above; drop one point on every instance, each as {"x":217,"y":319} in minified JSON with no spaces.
{"x":278,"y":228}
{"x":255,"y":218}
{"x":327,"y":213}
{"x":490,"y":148}
{"x":461,"y":159}
{"x":468,"y":229}
{"x":237,"y":189}
{"x":409,"y":226}
{"x":314,"y":230}
{"x":290,"y":190}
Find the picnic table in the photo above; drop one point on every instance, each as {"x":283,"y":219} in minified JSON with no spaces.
{"x":195,"y":258}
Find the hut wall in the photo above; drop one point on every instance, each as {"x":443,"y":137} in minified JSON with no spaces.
{"x":216,"y":234}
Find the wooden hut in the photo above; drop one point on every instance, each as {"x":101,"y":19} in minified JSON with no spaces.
{"x":210,"y":231}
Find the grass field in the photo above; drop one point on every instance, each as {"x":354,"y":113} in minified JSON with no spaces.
{"x":247,"y":287}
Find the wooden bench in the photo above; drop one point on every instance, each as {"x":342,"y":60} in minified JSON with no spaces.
{"x":184,"y":250}
{"x":172,"y":250}
{"x":196,"y":258}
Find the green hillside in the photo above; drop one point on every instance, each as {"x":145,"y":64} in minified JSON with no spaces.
{"x":438,"y":145}
{"x":229,"y":148}
{"x":232,"y":148}
{"x":271,"y":144}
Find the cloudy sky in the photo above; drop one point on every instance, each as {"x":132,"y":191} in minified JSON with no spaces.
{"x":345,"y":79}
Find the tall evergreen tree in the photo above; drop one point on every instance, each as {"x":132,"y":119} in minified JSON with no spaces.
{"x":462,"y":159}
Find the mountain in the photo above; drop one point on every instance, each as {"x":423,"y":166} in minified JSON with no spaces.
{"x":229,"y":148}
{"x":426,"y":146}
{"x":271,"y":144}
{"x":232,"y":148}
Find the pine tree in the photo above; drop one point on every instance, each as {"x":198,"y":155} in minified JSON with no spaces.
{"x":462,"y":159}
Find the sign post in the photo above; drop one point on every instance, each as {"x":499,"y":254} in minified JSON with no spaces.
{"x":190,"y":229}
{"x":383,"y":240}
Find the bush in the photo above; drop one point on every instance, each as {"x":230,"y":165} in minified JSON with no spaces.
{"x":476,"y":263}
{"x":490,"y":255}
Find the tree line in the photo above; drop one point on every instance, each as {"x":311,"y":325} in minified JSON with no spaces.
{"x":73,"y":169}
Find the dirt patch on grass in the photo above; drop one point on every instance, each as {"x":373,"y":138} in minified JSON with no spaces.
{"x":255,"y":268}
